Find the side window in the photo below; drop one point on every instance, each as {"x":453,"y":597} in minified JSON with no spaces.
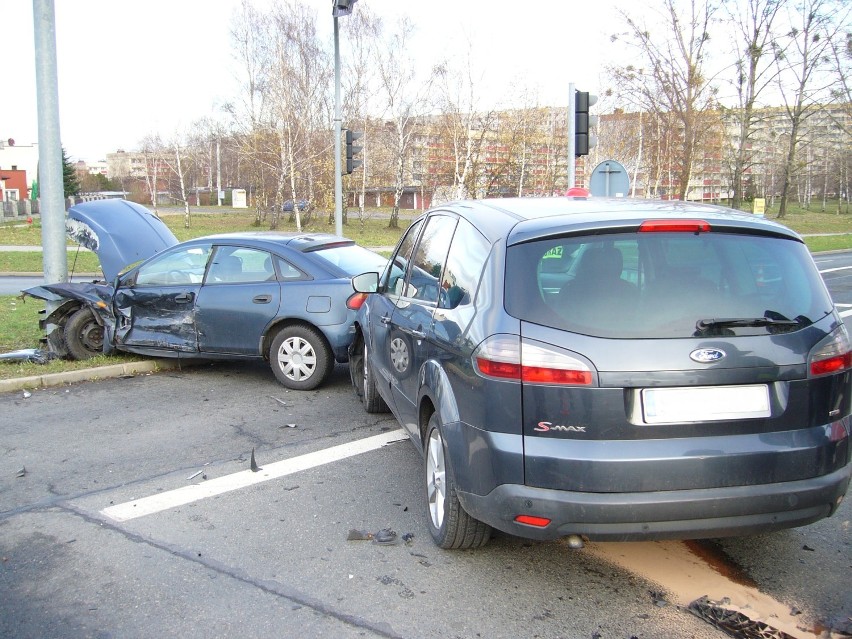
{"x":394,"y":275}
{"x":465,"y":262}
{"x":287,"y":271}
{"x":183,"y":266}
{"x":424,"y":278}
{"x":240,"y":265}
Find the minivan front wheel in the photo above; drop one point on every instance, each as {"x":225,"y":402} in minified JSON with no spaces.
{"x":451,"y":527}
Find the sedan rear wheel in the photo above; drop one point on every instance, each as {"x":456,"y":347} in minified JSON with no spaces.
{"x":373,"y":402}
{"x":84,"y":337}
{"x":300,"y":357}
{"x":451,"y":527}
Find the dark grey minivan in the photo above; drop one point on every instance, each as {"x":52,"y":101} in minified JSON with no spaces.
{"x":614,"y":369}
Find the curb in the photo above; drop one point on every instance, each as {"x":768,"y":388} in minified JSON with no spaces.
{"x":86,"y":374}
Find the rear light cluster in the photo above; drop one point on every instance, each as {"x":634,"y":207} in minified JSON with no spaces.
{"x":356,"y":301}
{"x":831,"y":355}
{"x":508,"y":357}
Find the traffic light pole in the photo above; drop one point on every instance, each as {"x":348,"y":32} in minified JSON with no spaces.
{"x":338,"y":177}
{"x":572,"y":130}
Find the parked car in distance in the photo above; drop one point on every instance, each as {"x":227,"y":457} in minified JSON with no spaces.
{"x":283,"y":297}
{"x":609,"y":369}
{"x":303,"y":205}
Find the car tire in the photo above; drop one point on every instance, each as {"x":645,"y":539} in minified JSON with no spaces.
{"x":84,"y":337}
{"x":451,"y":527}
{"x":366,"y":383}
{"x":300,"y":357}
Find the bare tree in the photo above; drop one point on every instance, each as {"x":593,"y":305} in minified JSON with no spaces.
{"x":755,"y":20}
{"x":674,"y":87}
{"x":152,"y":149}
{"x":404,"y":97}
{"x":802,"y":57}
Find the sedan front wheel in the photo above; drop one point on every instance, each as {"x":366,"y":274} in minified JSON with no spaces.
{"x":300,"y":357}
{"x":84,"y":337}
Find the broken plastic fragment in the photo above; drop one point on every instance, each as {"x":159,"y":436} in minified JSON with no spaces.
{"x":385,"y":536}
{"x":253,"y":464}
{"x":359,"y":535}
{"x":21,"y":472}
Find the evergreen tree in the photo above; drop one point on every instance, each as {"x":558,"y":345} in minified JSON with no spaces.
{"x":69,"y":176}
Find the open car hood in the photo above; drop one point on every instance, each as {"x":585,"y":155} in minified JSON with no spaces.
{"x":119,"y":231}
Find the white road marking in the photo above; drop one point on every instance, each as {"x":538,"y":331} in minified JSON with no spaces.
{"x":235,"y":481}
{"x":837,"y":268}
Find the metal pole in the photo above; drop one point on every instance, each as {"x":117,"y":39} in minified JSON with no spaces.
{"x":572,"y":131}
{"x":51,"y":186}
{"x":338,"y":178}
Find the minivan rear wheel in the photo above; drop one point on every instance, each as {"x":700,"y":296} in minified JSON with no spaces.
{"x":451,"y":527}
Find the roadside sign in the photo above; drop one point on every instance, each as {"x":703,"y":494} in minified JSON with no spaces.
{"x":759,"y":206}
{"x":609,"y":179}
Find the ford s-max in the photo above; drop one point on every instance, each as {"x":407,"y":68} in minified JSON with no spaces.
{"x":611,"y":369}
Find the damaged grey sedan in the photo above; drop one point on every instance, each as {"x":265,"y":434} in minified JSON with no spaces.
{"x":283,"y":297}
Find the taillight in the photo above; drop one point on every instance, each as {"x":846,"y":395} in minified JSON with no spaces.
{"x":356,"y":301}
{"x":674,"y":226}
{"x":507,"y":357}
{"x":831,"y":355}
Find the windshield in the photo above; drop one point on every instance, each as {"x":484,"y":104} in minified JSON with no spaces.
{"x":665,"y":285}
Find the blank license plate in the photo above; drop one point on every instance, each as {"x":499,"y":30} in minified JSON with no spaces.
{"x":704,"y":403}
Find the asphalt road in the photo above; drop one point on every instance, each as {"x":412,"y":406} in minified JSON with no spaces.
{"x":97,"y":538}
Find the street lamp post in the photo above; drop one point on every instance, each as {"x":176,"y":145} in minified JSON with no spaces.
{"x":340,"y":8}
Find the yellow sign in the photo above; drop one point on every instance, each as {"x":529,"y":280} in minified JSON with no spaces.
{"x":758,"y":206}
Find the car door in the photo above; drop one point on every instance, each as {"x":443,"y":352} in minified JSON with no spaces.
{"x":154,"y":305}
{"x":381,"y":356}
{"x":410,"y":340}
{"x":240,"y":298}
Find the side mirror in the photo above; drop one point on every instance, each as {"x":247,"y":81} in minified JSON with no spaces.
{"x":366,"y":282}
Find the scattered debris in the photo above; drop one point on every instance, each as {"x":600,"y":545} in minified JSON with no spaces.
{"x":280,"y":401}
{"x":289,"y":425}
{"x":359,"y":535}
{"x":806,"y":547}
{"x":254,"y":467}
{"x":659,"y":599}
{"x":27,"y":394}
{"x":408,"y":537}
{"x":385,"y":537}
{"x":33,"y":355}
{"x":194,"y":475}
{"x":735,"y":624}
{"x":21,"y":472}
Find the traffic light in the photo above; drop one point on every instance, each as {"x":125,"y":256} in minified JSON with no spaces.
{"x":351,"y":151}
{"x":584,"y":139}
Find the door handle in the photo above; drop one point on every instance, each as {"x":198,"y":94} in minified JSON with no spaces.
{"x":183,"y":297}
{"x":385,"y":319}
{"x":261,"y":299}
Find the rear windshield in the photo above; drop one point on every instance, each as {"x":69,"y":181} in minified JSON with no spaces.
{"x":665,"y":284}
{"x":352,"y":259}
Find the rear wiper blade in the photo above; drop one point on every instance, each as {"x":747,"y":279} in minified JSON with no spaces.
{"x":733,"y":322}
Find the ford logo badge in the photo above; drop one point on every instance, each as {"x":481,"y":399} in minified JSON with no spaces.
{"x":706,"y":355}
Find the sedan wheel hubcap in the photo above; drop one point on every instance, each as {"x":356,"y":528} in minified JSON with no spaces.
{"x":297,"y":359}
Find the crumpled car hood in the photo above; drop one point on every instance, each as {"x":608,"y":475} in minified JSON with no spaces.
{"x":119,"y":231}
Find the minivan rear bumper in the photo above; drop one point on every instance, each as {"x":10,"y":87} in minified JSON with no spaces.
{"x":677,"y":514}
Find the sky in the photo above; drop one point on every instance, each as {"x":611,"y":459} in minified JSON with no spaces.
{"x":128,"y":68}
